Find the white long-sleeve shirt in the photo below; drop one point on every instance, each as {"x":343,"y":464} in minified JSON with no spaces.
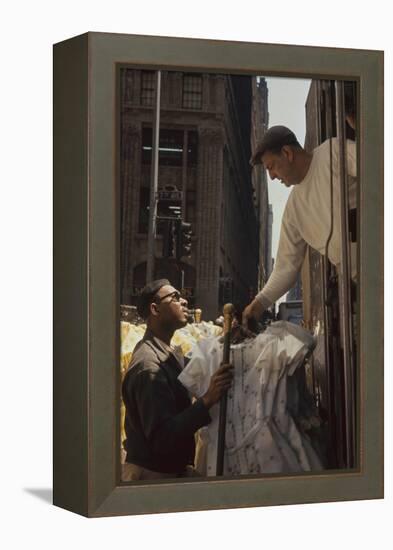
{"x":307,"y":219}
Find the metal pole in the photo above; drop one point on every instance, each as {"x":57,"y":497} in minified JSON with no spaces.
{"x":184,"y":176}
{"x":327,"y":87}
{"x":344,"y":280}
{"x":154,"y":182}
{"x":229,"y":311}
{"x":182,"y":280}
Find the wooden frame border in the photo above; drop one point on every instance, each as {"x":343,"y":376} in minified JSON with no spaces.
{"x":86,"y":269}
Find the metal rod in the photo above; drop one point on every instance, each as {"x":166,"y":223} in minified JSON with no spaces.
{"x":182,"y":280}
{"x":327,"y":87}
{"x":229,"y":311}
{"x":154,"y":182}
{"x":184,"y":176}
{"x":344,"y":283}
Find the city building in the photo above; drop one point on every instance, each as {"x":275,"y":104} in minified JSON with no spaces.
{"x":208,"y":125}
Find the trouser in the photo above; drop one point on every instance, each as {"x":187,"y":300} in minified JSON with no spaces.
{"x":133,"y":472}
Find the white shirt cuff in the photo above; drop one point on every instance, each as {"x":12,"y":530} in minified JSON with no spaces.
{"x":262,"y":299}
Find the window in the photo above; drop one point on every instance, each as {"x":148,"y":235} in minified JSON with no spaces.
{"x":147,"y":145}
{"x":192,"y":92}
{"x":192,"y":153}
{"x":144,"y":203}
{"x":147,"y":88}
{"x":171,"y":147}
{"x":170,"y":154}
{"x":191,"y":208}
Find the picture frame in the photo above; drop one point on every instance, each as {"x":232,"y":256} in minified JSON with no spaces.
{"x":86,"y":283}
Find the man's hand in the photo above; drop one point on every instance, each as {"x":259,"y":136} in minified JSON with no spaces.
{"x":220,"y":382}
{"x":255,"y":309}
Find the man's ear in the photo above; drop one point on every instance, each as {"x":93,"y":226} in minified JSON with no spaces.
{"x":288,"y":152}
{"x":154,"y":309}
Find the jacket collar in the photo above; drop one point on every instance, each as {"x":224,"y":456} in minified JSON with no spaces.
{"x":160,"y":349}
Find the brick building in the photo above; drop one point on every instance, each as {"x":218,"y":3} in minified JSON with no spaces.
{"x":208,"y":124}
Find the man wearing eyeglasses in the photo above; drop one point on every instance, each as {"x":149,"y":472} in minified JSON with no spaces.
{"x":160,"y":420}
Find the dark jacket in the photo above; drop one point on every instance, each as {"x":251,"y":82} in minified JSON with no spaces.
{"x":160,"y":420}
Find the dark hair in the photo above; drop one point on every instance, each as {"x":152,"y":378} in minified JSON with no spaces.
{"x":274,"y":140}
{"x":277,"y":150}
{"x":147,"y":295}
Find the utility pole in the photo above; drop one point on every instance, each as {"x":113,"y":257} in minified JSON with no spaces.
{"x":154,"y":182}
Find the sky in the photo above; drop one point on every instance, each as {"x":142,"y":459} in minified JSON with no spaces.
{"x":286,"y":103}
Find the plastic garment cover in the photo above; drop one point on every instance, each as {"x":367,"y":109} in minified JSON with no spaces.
{"x":262,"y":435}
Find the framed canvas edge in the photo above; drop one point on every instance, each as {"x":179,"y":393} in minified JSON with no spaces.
{"x":105,"y":497}
{"x":70,"y":275}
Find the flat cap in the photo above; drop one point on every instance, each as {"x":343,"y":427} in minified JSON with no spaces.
{"x":273,"y":140}
{"x":147,"y":295}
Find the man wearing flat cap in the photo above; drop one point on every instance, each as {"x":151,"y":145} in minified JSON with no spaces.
{"x":160,"y":420}
{"x":312,"y":213}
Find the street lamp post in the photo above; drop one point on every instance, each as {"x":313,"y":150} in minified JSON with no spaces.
{"x":154,"y":182}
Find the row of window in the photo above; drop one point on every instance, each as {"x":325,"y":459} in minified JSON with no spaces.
{"x":192,"y":90}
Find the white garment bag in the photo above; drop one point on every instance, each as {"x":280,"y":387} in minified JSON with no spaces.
{"x":262,"y":435}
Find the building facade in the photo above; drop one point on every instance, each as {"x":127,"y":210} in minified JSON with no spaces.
{"x":207,"y":126}
{"x":260,"y":116}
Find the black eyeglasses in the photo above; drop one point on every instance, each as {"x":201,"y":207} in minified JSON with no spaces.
{"x":175,"y":297}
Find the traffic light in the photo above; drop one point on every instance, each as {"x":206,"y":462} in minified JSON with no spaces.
{"x":183,"y":240}
{"x":169,"y":240}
